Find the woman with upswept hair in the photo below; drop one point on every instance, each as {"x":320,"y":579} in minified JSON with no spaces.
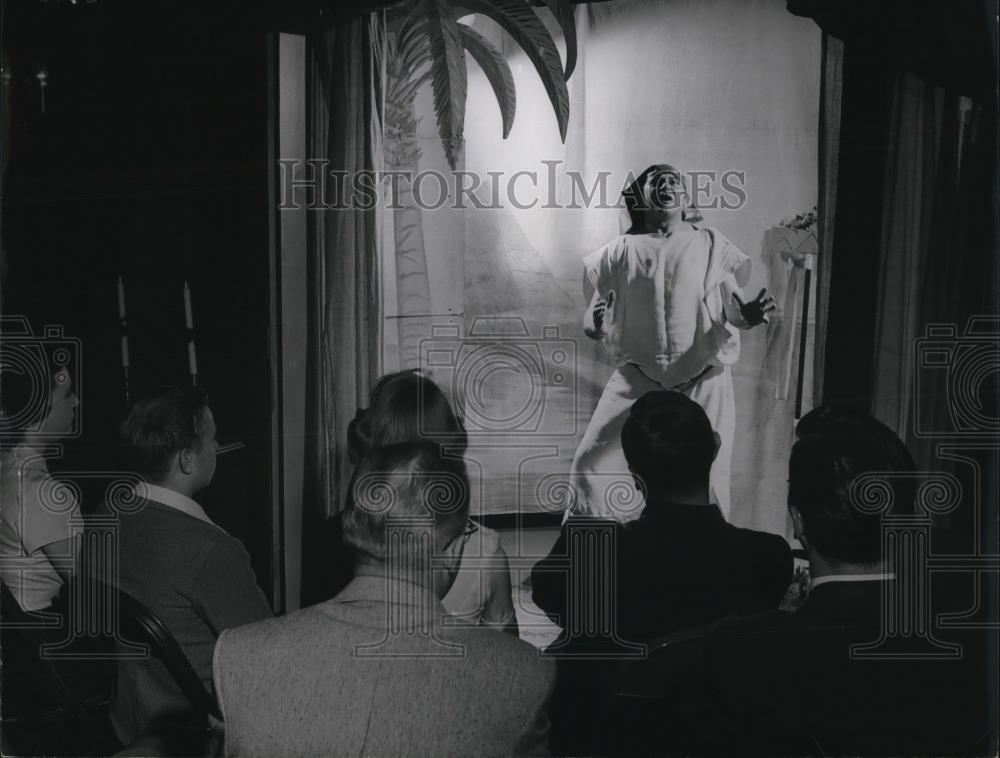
{"x":666,"y":299}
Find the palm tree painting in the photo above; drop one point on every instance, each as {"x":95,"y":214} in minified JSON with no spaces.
{"x":427,"y":44}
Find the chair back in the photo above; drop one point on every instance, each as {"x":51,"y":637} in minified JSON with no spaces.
{"x":139,"y":624}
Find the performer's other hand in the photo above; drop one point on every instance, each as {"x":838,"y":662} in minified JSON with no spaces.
{"x":597,"y":315}
{"x":755,"y":311}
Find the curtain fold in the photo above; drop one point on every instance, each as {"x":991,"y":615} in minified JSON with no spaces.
{"x":831,"y":94}
{"x":938,"y":244}
{"x":912,"y":202}
{"x":344,"y":115}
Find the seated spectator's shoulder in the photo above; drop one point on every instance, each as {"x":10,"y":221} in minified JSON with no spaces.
{"x":766,"y":542}
{"x":771,"y":549}
{"x":258,"y":633}
{"x":506,"y":652}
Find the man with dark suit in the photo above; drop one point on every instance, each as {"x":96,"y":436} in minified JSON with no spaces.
{"x":173,"y":559}
{"x":678,"y":565}
{"x":379,"y":670}
{"x":859,"y":669}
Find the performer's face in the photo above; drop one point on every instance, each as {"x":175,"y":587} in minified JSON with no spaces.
{"x":665,"y":196}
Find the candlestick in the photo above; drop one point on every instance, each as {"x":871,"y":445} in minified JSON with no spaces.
{"x":124,"y":338}
{"x":189,"y":325}
{"x":124,"y":323}
{"x":192,"y":360}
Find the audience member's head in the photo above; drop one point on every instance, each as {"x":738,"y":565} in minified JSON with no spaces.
{"x":836,"y":446}
{"x":37,"y":402}
{"x":405,"y":407}
{"x":669,"y":445}
{"x":171,"y":435}
{"x":408,"y":486}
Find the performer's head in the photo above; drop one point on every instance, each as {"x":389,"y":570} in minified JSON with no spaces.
{"x":405,"y":407}
{"x":843,"y":461}
{"x":658,"y":194}
{"x":669,"y":445}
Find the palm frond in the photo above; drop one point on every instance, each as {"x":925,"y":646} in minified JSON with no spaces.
{"x":563,"y":11}
{"x":497,"y":71}
{"x":448,"y":76}
{"x":518,"y":18}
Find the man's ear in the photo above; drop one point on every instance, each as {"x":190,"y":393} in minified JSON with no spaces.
{"x":185,"y":460}
{"x":798,"y":526}
{"x":718,"y":444}
{"x":636,"y":479}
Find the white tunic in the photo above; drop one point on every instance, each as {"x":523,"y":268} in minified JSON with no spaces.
{"x":667,"y":329}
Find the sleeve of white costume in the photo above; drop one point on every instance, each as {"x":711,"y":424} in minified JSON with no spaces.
{"x":729,"y":273}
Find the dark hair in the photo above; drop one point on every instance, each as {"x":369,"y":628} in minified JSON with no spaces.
{"x":411,"y":479}
{"x":21,"y":405}
{"x":837,"y":444}
{"x":405,"y":407}
{"x":668,"y":440}
{"x":162,"y":424}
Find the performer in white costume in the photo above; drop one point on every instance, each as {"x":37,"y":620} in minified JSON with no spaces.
{"x":666,"y":298}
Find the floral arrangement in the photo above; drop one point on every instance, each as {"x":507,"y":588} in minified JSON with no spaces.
{"x":804,"y":221}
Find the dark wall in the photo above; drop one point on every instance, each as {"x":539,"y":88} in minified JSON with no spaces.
{"x":150,"y":163}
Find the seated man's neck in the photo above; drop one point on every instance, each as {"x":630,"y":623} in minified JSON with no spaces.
{"x":820,"y":566}
{"x":177,"y":484}
{"x":410,"y":574}
{"x":683,"y":495}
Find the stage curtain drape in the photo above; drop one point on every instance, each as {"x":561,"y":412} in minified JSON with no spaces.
{"x":344,"y":121}
{"x":914,"y":233}
{"x":938,"y":264}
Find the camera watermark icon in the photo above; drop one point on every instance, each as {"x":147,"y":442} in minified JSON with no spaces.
{"x":958,"y":367}
{"x":506,"y":381}
{"x":32,"y":367}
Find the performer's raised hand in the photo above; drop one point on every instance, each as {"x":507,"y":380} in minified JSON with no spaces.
{"x":755,"y":311}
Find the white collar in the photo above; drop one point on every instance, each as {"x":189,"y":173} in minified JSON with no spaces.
{"x":813,"y":583}
{"x":172,"y":499}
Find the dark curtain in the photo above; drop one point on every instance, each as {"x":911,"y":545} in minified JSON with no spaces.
{"x":888,"y":54}
{"x":909,"y":257}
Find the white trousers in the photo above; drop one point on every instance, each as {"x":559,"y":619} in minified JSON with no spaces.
{"x":599,"y":474}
